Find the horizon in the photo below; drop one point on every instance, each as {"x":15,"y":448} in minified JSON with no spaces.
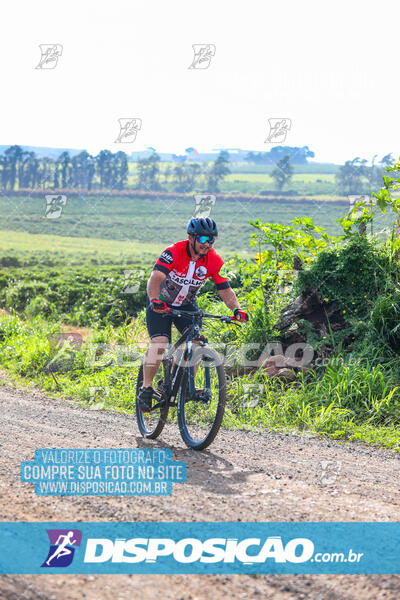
{"x":213,"y":151}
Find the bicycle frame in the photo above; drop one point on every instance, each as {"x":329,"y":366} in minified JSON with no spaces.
{"x":173,"y":373}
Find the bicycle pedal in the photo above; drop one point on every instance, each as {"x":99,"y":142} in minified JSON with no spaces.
{"x":201,"y":396}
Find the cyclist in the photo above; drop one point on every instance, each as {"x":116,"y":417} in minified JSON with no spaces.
{"x":176,"y":278}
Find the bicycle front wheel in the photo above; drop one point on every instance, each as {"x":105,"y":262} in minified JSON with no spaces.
{"x":200,"y":414}
{"x":152,"y":423}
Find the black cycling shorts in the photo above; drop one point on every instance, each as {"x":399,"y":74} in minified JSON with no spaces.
{"x":160,"y":324}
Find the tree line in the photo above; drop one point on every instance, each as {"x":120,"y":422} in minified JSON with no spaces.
{"x":356,"y":177}
{"x":297,"y":155}
{"x":23,"y":169}
{"x":183,"y":177}
{"x":107,"y":170}
{"x":20,"y":169}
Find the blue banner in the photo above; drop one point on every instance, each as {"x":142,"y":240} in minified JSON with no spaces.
{"x":336,"y":548}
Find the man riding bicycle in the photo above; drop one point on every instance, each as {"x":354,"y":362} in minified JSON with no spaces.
{"x":176,"y":278}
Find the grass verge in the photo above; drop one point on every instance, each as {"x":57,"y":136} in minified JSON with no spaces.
{"x":347,"y":401}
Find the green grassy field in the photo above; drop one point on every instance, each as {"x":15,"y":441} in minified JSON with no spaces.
{"x":316,"y":168}
{"x":302,"y":183}
{"x":265,"y":178}
{"x":76,"y":250}
{"x":133,"y":227}
{"x":251,"y":178}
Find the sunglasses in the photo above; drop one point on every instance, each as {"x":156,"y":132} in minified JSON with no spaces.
{"x":202,"y":239}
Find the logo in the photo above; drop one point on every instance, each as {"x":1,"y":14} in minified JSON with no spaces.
{"x":54,"y":205}
{"x":128,"y":130}
{"x":201,"y":272}
{"x":69,"y":337}
{"x":278,"y":129}
{"x":50,"y":54}
{"x":62,"y":547}
{"x":166,"y":257}
{"x":190,"y":550}
{"x":203,"y":205}
{"x":64,"y":347}
{"x":98,"y":397}
{"x":330,"y":471}
{"x":132,"y":278}
{"x":252,"y":393}
{"x":203,"y":54}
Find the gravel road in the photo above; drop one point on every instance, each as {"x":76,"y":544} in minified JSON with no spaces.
{"x":242,"y":476}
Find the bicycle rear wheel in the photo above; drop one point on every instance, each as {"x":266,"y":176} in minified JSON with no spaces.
{"x":152,"y":423}
{"x":200,"y":415}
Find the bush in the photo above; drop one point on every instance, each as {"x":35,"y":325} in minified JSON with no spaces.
{"x":39,"y":306}
{"x":20,"y":293}
{"x":352,"y":276}
{"x":9,"y":261}
{"x":385,"y":319}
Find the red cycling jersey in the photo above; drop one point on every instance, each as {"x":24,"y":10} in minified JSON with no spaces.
{"x":185,"y":276}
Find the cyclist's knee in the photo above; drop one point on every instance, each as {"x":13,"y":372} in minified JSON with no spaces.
{"x":160,"y":341}
{"x":156,"y":348}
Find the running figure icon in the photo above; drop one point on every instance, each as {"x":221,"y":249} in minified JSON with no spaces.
{"x":63,"y":543}
{"x":62,"y":549}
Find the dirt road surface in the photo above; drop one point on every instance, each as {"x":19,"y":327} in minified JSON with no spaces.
{"x":241,"y":477}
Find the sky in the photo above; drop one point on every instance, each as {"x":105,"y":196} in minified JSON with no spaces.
{"x":328,"y":67}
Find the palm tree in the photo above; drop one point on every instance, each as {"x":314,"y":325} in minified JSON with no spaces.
{"x":64,"y":162}
{"x":122,"y":169}
{"x":14,"y":157}
{"x":103,"y":162}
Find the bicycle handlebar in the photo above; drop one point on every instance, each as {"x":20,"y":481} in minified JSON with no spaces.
{"x":186,"y":313}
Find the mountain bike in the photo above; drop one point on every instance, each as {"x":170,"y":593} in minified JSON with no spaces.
{"x":192,"y":380}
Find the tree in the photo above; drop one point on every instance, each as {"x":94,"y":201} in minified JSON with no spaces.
{"x":103,"y":164}
{"x":13,"y":158}
{"x":298,"y":155}
{"x":83,"y":169}
{"x":28,"y":170}
{"x":179,"y":177}
{"x":391,"y":185}
{"x":185,"y":176}
{"x":349,"y":178}
{"x":218,"y":171}
{"x":5,"y":172}
{"x":387,"y":160}
{"x":148,"y":171}
{"x":283,"y":172}
{"x":122,"y":169}
{"x":63,"y":163}
{"x":167,"y":174}
{"x":45,"y":171}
